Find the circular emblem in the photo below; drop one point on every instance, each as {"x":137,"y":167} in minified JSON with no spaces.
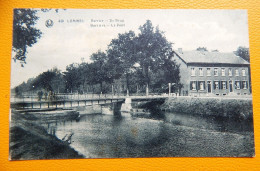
{"x":49,"y":23}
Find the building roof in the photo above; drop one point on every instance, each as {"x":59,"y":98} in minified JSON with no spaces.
{"x":210,"y":57}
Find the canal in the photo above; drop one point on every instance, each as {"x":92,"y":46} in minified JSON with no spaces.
{"x":170,"y":134}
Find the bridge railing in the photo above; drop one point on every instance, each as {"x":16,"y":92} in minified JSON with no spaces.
{"x":63,"y":96}
{"x":76,"y":96}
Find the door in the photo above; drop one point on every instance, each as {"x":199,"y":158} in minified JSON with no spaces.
{"x":230,"y":86}
{"x":209,"y":86}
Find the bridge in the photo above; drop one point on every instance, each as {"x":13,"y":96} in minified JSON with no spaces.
{"x":73,"y":102}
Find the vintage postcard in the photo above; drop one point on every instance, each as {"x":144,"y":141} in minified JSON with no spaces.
{"x":130,"y":83}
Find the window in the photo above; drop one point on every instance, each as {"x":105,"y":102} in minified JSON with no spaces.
{"x":230,"y":72}
{"x":192,"y":71}
{"x":244,"y":84}
{"x":208,"y":72}
{"x":243,"y":72}
{"x":202,"y":85}
{"x":237,"y":72}
{"x":216,"y":85}
{"x":201,"y":71}
{"x":223,"y":71}
{"x":237,"y":84}
{"x":215,"y":71}
{"x":224,"y":85}
{"x":193,"y":85}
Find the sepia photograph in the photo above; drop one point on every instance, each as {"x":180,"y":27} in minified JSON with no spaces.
{"x":128,"y":83}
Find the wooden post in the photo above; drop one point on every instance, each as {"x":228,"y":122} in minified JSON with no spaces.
{"x":112,"y":90}
{"x":169,"y":89}
{"x":147,"y":90}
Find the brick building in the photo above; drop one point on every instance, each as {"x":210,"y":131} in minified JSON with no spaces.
{"x":206,"y":73}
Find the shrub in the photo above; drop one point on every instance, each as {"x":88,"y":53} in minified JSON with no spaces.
{"x":224,"y":107}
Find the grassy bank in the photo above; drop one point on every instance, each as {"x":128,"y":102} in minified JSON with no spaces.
{"x":240,"y":108}
{"x":29,"y":140}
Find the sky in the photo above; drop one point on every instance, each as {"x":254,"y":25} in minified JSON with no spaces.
{"x":75,"y":34}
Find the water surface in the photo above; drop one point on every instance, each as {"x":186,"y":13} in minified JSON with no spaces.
{"x":170,"y":134}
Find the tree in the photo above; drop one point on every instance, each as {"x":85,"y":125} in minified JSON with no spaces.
{"x":202,"y":49}
{"x":243,"y":52}
{"x":100,"y":69}
{"x":72,"y":77}
{"x":24,"y":32}
{"x":24,"y":87}
{"x":146,"y":58}
{"x":130,"y":61}
{"x":154,"y":54}
{"x":84,"y":71}
{"x":49,"y":80}
{"x":20,"y":89}
{"x":122,"y":56}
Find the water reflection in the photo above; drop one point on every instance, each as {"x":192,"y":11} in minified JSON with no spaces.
{"x":159,"y":134}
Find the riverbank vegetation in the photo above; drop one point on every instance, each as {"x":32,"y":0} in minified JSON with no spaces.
{"x":240,"y":108}
{"x":29,"y":140}
{"x":132,"y":63}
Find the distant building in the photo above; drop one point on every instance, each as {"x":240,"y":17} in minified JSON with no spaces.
{"x":206,"y":73}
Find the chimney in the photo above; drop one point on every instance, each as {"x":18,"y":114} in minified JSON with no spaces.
{"x":180,"y":50}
